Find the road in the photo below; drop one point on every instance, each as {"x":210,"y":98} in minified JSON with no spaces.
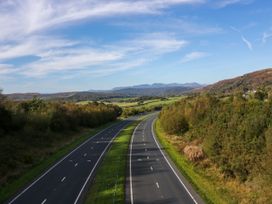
{"x":152,"y":177}
{"x":66,"y":181}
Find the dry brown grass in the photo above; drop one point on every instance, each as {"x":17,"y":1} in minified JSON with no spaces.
{"x":193,"y":152}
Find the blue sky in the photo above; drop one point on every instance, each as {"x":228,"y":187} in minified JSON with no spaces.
{"x":70,"y":45}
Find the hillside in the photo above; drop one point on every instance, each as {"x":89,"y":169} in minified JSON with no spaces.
{"x":250,"y":81}
{"x":228,"y":142}
{"x":67,"y":96}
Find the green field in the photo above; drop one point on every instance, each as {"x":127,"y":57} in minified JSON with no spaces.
{"x":132,"y":102}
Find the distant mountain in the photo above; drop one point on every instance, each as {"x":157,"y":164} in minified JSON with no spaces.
{"x":250,"y":81}
{"x":159,"y":85}
{"x":157,"y":89}
{"x":66,"y":96}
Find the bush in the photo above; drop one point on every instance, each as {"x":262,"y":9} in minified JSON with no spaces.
{"x":29,"y":129}
{"x":234,"y":130}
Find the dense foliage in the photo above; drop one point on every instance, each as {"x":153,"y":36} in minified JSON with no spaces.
{"x":30,"y":130}
{"x":235,"y":132}
{"x":130,"y":111}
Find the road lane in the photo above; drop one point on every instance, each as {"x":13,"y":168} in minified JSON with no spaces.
{"x":152,"y":177}
{"x":65,"y":182}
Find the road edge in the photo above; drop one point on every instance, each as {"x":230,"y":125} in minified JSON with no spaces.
{"x":185,"y":183}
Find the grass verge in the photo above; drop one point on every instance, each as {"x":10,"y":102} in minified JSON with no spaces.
{"x":109,"y":185}
{"x":27,"y":178}
{"x":204,"y":186}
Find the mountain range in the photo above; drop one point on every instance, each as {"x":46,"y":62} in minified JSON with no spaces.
{"x":157,"y":89}
{"x":251,"y":81}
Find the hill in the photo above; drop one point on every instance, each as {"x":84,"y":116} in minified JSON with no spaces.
{"x":248,"y":82}
{"x":159,"y":85}
{"x":160,"y":90}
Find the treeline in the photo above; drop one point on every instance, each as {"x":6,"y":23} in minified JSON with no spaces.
{"x":30,"y":130}
{"x":235,"y":132}
{"x":139,"y":110}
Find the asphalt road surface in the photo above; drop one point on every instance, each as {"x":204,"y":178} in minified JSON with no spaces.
{"x":152,"y":176}
{"x":66,"y":181}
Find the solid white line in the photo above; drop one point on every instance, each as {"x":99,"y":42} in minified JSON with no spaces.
{"x":157,"y":184}
{"x":63,"y":179}
{"x":59,"y":163}
{"x":130,"y":169}
{"x":153,"y":134}
{"x":97,"y":162}
{"x":44,"y":201}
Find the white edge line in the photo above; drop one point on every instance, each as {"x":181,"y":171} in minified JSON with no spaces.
{"x":52,"y":167}
{"x":97,"y":162}
{"x":153,"y":134}
{"x":130,"y":169}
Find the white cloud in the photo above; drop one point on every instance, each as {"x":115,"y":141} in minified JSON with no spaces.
{"x":33,"y":46}
{"x":55,"y":55}
{"x":244,"y":39}
{"x":26,"y":24}
{"x":68,"y":60}
{"x":225,"y":3}
{"x":6,"y":69}
{"x":178,"y":25}
{"x":266,"y":36}
{"x":24,"y":17}
{"x":247,"y":42}
{"x":194,"y":56}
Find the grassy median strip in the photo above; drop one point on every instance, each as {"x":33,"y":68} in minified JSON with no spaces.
{"x":197,"y":178}
{"x":109,"y":184}
{"x":37,"y":170}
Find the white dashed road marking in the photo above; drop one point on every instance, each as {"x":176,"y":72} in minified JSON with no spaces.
{"x":63,"y":179}
{"x":44,"y":201}
{"x":157,"y":184}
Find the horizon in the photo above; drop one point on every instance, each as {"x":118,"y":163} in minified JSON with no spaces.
{"x":62,"y":46}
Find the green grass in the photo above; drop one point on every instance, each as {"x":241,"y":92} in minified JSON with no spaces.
{"x":109,"y":185}
{"x":36,"y":171}
{"x":205,"y":186}
{"x":124,"y":103}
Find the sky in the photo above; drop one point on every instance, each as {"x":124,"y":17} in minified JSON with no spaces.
{"x":76,"y":45}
